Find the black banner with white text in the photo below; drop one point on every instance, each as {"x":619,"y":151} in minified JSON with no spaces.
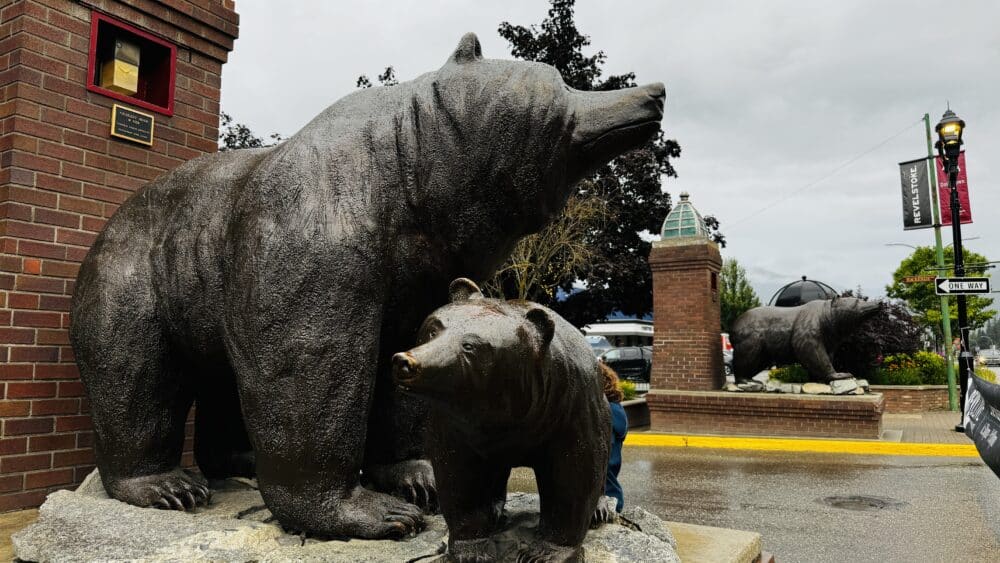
{"x":915,"y":182}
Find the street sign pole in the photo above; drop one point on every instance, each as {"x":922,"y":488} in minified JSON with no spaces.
{"x":945,"y":313}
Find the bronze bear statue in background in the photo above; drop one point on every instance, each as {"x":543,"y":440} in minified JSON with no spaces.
{"x":807,"y":334}
{"x":270,"y":287}
{"x":510,"y":384}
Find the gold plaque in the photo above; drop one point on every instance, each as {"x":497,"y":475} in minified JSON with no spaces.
{"x":132,"y":125}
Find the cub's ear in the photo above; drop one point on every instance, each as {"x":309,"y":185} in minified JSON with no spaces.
{"x":468,"y":50}
{"x":462,"y":289}
{"x":544,"y":324}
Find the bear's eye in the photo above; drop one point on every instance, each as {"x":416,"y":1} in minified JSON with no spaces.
{"x":432,"y":334}
{"x":468,"y":347}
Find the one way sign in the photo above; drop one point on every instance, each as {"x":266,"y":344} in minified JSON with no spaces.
{"x":962,"y":286}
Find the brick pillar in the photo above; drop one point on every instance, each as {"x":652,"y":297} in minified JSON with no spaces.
{"x":62,"y":175}
{"x":687,"y":349}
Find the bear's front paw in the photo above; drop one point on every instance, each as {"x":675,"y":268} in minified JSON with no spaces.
{"x":840,"y":375}
{"x":411,"y":480}
{"x":480,"y":550}
{"x":545,"y":552}
{"x":372,"y":515}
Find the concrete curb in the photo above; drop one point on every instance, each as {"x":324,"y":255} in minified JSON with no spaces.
{"x":854,"y":447}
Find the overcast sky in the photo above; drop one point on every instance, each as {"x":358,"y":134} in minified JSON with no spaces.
{"x":768,"y":101}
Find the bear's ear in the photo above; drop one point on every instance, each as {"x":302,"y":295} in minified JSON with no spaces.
{"x":462,"y":289}
{"x":468,"y":50}
{"x":544,"y":324}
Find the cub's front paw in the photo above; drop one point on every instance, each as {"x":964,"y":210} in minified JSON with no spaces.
{"x":545,"y":552}
{"x":605,"y":512}
{"x":480,"y":550}
{"x":411,"y":480}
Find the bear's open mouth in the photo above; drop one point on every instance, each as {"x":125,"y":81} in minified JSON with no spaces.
{"x":639,"y":128}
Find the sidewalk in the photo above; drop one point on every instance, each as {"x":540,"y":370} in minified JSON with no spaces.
{"x":924,"y":428}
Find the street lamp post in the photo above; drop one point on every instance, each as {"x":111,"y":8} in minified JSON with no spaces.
{"x":949,"y":146}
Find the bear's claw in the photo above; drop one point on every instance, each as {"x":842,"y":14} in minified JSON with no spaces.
{"x":174,"y":490}
{"x":411,"y":480}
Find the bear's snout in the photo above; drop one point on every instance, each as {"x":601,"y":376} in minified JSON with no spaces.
{"x":404,"y":367}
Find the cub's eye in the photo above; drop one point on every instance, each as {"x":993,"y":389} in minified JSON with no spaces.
{"x":432,"y":334}
{"x":468,"y":347}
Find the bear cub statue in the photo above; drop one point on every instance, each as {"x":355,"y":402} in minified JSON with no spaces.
{"x":511,"y":384}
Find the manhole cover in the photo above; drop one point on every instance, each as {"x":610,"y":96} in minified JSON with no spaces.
{"x":859,"y":502}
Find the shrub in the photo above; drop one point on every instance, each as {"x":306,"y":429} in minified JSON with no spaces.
{"x":933,"y":369}
{"x":986,"y":373}
{"x":793,"y":373}
{"x":918,"y":368}
{"x":628,"y":390}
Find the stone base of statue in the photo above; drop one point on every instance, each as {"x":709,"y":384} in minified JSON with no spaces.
{"x":86,"y":525}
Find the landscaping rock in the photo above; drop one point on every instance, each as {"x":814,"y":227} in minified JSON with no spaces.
{"x":843,"y":386}
{"x":791,"y":388}
{"x":762,"y":377}
{"x":86,"y":525}
{"x":731,"y":387}
{"x":863,"y":383}
{"x":816,"y":389}
{"x":772,"y":387}
{"x":751,"y":386}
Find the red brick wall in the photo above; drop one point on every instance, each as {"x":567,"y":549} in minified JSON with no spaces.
{"x":61,"y":177}
{"x":759,"y":414}
{"x":687,"y":349}
{"x":902,"y":399}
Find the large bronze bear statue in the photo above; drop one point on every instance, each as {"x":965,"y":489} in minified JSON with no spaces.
{"x":807,"y":334}
{"x":510,"y":384}
{"x":270,"y":287}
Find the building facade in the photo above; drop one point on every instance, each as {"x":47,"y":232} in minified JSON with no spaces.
{"x":98,"y":98}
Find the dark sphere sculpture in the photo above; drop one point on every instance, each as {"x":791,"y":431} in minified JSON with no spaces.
{"x":510,"y":384}
{"x":270,"y":287}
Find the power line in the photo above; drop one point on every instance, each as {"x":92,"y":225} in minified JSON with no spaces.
{"x":829,"y":174}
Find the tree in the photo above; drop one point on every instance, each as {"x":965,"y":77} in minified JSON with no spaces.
{"x":239,"y":136}
{"x":619,"y":278}
{"x":893,"y":331}
{"x":387,"y":78}
{"x":988,"y":336}
{"x":540,"y":262}
{"x":736,"y":295}
{"x":921,"y":297}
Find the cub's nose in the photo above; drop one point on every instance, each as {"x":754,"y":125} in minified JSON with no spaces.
{"x":404,"y":365}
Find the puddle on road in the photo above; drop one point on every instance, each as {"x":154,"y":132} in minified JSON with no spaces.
{"x":860,"y":502}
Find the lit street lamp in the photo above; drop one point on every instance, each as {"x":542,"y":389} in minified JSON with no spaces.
{"x":949,"y":146}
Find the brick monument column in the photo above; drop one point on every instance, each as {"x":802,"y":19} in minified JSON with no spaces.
{"x":98,"y":98}
{"x":687,"y":349}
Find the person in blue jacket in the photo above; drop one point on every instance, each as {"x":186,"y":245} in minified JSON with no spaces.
{"x":619,"y":429}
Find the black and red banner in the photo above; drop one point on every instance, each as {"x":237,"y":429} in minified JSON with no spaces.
{"x":944,"y":192}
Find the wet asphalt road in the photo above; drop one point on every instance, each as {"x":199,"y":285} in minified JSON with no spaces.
{"x":934,"y":509}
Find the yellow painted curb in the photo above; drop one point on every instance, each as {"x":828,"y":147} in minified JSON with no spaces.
{"x":856,"y":447}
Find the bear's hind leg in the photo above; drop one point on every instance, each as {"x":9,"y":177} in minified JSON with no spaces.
{"x":221,"y":445}
{"x":139,"y":411}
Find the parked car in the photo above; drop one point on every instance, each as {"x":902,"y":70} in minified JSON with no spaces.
{"x":598,"y":344}
{"x":989,"y":357}
{"x":631,"y":363}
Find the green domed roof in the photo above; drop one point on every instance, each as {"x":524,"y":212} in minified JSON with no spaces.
{"x":683,"y":221}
